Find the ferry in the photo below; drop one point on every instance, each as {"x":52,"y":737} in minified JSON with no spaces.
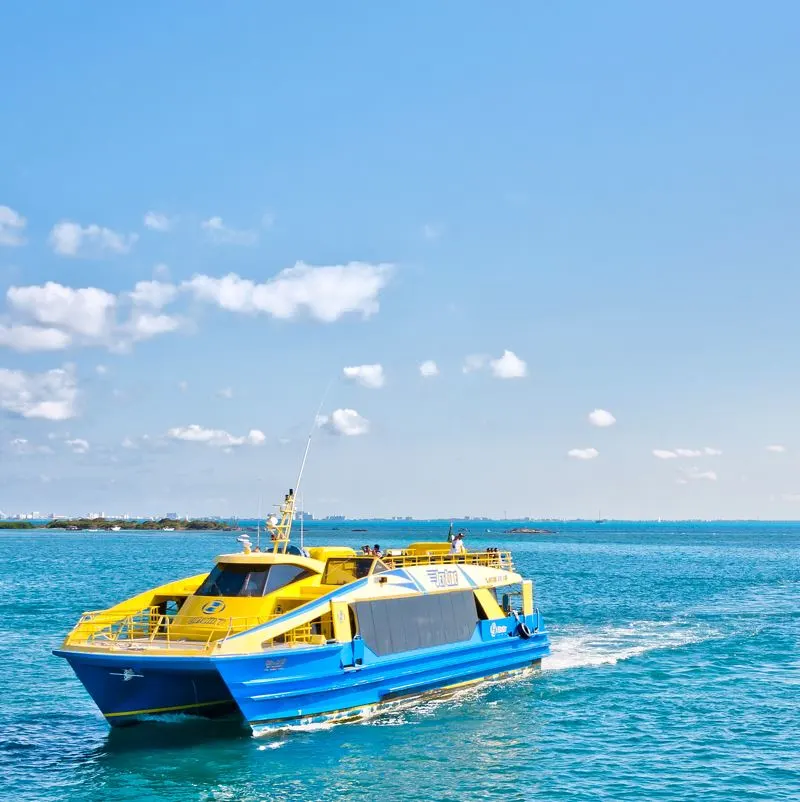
{"x":292,"y":635}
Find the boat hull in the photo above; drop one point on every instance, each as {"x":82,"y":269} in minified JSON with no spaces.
{"x":300,"y":686}
{"x":128,"y":688}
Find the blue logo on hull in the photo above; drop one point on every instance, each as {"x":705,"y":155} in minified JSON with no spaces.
{"x":216,"y":606}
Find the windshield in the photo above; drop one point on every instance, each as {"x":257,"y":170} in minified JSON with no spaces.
{"x":249,"y":580}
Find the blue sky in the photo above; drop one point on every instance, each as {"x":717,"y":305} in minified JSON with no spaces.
{"x":607,"y":191}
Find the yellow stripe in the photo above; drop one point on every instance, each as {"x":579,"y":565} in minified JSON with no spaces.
{"x":166,"y":709}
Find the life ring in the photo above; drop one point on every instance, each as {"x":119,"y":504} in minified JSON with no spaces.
{"x":524,"y":630}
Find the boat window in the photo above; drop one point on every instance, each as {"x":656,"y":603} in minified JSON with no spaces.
{"x":343,"y":570}
{"x":280,"y":575}
{"x":243,"y":580}
{"x":388,"y":626}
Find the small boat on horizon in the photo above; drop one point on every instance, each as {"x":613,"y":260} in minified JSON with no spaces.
{"x":293,"y":635}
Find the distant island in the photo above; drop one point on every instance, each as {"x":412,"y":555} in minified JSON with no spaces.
{"x":16,"y":525}
{"x":169,"y":524}
{"x":525,"y":530}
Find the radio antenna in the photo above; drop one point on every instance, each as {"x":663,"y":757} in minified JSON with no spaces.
{"x":314,"y":425}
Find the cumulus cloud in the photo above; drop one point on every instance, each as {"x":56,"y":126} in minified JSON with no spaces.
{"x":583,"y":453}
{"x":428,"y":368}
{"x":370,"y":376}
{"x":78,"y":445}
{"x":72,"y":239}
{"x":12,"y":224}
{"x":218,"y":438}
{"x":712,"y":452}
{"x":88,"y":311}
{"x":664,"y":454}
{"x":20,"y":445}
{"x":508,"y":366}
{"x":51,"y":395}
{"x":345,"y":422}
{"x":33,"y":338}
{"x":143,"y":326}
{"x":776,"y":449}
{"x":602,"y":418}
{"x":326,"y":292}
{"x":696,"y":473}
{"x":156,"y":221}
{"x":219,"y":233}
{"x":156,"y":294}
{"x":225,"y":392}
{"x":474,"y":362}
{"x":686,"y":452}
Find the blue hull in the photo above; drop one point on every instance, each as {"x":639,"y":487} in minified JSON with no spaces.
{"x":300,"y":684}
{"x":129,"y":687}
{"x":303,"y":685}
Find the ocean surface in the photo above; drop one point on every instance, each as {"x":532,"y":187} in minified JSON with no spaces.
{"x":675,"y":675}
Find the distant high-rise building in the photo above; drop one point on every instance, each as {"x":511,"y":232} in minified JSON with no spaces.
{"x":173,"y":516}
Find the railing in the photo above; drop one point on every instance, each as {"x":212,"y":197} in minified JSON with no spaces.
{"x":491,"y":559}
{"x":150,"y":627}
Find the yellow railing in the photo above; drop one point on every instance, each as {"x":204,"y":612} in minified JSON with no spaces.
{"x":149,"y":626}
{"x":491,"y":559}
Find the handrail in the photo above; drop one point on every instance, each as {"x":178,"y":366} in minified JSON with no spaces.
{"x":490,"y":559}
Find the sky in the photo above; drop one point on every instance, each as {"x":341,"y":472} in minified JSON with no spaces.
{"x":523,"y":259}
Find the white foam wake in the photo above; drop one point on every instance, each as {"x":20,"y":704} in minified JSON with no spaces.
{"x":610,"y":644}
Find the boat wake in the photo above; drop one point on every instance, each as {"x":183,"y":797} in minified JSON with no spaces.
{"x":609,"y":645}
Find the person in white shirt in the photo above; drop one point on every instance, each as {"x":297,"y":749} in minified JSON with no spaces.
{"x":457,"y":546}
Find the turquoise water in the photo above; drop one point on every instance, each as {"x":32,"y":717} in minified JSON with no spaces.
{"x":675,"y":675}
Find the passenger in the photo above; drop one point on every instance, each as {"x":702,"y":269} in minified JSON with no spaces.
{"x":376,"y":551}
{"x":457,"y":546}
{"x":366,"y":551}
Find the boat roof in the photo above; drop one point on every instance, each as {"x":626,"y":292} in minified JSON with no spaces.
{"x":270,"y":558}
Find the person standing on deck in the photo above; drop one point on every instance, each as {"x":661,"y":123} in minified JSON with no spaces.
{"x":457,"y":546}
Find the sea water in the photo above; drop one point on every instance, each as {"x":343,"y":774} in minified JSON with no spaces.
{"x":675,"y":674}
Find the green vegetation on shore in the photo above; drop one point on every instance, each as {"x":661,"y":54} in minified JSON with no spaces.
{"x":165,"y":523}
{"x":16,"y":525}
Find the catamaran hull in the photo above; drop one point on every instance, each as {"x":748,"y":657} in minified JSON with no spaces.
{"x":300,"y":686}
{"x":129,"y":688}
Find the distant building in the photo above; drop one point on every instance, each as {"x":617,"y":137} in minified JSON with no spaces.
{"x":302,"y":515}
{"x":334,"y":518}
{"x":172,"y":516}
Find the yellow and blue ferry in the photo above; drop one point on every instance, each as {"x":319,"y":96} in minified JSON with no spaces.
{"x":293,"y":636}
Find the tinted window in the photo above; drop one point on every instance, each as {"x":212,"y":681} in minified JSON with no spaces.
{"x":280,"y":575}
{"x":416,"y":622}
{"x":342,"y":570}
{"x":248,"y":580}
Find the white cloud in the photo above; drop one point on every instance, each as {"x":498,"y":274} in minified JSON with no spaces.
{"x":101,"y":370}
{"x":156,"y":221}
{"x":428,"y":368}
{"x":51,"y":395}
{"x":602,"y":418}
{"x":156,"y":294}
{"x":688,"y":452}
{"x":326,"y":292}
{"x":33,"y":338}
{"x":19,"y":445}
{"x":712,"y":452}
{"x":776,"y":449}
{"x":663,"y":454}
{"x":432,"y":231}
{"x":143,"y":326}
{"x":78,"y":445}
{"x":218,"y":438}
{"x":219,"y":233}
{"x":344,"y":421}
{"x":72,"y":239}
{"x":12,"y":224}
{"x":128,"y":442}
{"x":183,"y":386}
{"x":225,"y":392}
{"x":88,"y":311}
{"x":474,"y":362}
{"x":508,"y":366}
{"x":370,"y":376}
{"x":696,"y":473}
{"x":583,"y":453}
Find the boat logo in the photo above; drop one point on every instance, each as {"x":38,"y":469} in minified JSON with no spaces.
{"x":216,"y":606}
{"x":497,"y":629}
{"x":443,"y":579}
